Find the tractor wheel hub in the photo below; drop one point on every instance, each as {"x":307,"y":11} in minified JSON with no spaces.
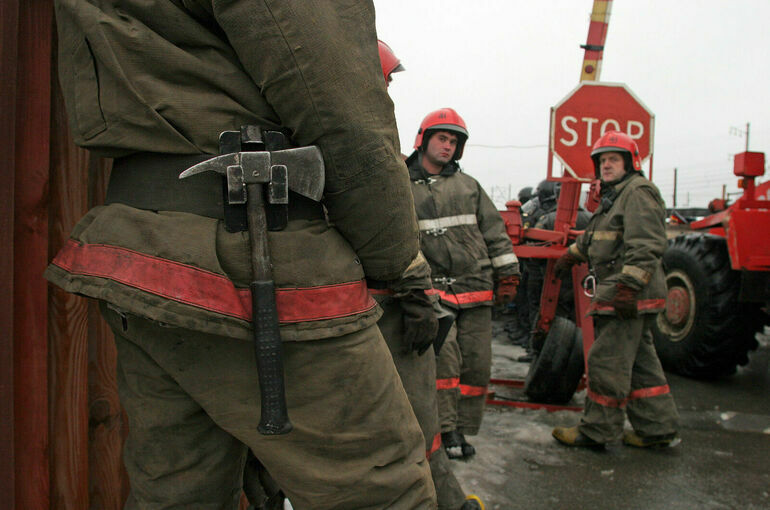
{"x":677,"y":306}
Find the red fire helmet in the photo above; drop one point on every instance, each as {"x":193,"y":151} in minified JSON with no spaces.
{"x":616,"y":141}
{"x":445,"y":119}
{"x":389,"y":61}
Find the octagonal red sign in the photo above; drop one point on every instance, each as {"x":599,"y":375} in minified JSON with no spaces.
{"x":586,"y":113}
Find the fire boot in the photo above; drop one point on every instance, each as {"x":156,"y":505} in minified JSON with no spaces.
{"x":526,"y":358}
{"x":517,"y":333}
{"x":631,"y":438}
{"x":472,"y":502}
{"x":467,"y":449}
{"x":452,"y":442}
{"x":571,"y":436}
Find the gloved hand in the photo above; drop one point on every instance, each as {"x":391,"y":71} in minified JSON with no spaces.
{"x":625,"y":302}
{"x":506,"y":289}
{"x":564,"y":265}
{"x":420,"y":322}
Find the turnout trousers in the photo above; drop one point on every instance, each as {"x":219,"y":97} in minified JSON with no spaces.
{"x":418,"y":375}
{"x":463,"y":371}
{"x":624,"y":373}
{"x":193,"y":405}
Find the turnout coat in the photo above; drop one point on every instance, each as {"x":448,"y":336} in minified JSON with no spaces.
{"x":624,"y":243}
{"x":204,"y":67}
{"x":461,"y":234}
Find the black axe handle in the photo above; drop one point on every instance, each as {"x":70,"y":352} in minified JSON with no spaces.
{"x":267,"y":342}
{"x":267,"y":338}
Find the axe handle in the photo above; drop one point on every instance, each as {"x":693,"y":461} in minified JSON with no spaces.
{"x":267,"y":339}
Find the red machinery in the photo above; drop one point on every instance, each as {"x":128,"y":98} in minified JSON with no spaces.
{"x":556,"y":373}
{"x":718,"y":279}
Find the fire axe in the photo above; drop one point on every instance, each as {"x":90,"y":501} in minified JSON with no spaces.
{"x":259,"y":179}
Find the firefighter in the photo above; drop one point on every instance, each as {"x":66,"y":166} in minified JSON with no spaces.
{"x":153,"y":85}
{"x":464,"y":239}
{"x":623,"y":244}
{"x":543,"y":202}
{"x":409,"y":325}
{"x":389,"y":62}
{"x":517,"y":326}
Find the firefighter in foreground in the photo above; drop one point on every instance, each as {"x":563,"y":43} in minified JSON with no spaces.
{"x":171,"y":265}
{"x":623,"y":244}
{"x":464,"y":239}
{"x":409,"y":324}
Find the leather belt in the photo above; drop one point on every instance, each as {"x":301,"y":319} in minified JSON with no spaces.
{"x":151,"y":181}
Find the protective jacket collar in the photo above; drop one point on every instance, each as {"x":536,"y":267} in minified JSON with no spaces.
{"x":417,"y":172}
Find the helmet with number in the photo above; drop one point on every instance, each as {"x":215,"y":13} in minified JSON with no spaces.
{"x":445,"y":119}
{"x":615,"y":141}
{"x":389,"y":61}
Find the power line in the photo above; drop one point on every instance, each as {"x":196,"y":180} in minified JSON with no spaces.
{"x":484,"y":146}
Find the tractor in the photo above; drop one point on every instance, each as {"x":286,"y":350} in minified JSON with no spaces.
{"x":718,"y":278}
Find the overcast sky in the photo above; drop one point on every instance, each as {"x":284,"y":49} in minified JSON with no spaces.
{"x":702,"y":67}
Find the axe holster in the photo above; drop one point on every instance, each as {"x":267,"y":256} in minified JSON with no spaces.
{"x":253,"y":138}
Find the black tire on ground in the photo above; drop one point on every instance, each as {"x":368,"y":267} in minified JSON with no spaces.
{"x":705,"y":331}
{"x":555,"y":372}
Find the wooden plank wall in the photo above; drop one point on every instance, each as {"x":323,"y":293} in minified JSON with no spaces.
{"x":30,"y":244}
{"x":9,"y":18}
{"x":61,"y":426}
{"x":87,"y":423}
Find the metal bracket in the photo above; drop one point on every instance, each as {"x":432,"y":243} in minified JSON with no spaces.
{"x":436,"y":231}
{"x":278,"y":185}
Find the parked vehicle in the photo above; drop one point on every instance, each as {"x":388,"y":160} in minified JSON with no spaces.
{"x":718,"y":278}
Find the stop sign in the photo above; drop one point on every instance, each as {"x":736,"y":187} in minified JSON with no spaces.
{"x":586,"y":113}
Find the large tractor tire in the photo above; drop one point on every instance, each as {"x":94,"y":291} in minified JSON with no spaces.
{"x":556,"y":371}
{"x":705,"y":332}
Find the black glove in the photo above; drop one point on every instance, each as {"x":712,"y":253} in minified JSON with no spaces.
{"x":625,"y":302}
{"x":564,"y":265}
{"x":420,"y":322}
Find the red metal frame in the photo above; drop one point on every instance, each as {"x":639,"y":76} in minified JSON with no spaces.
{"x":746,"y":223}
{"x":516,"y":383}
{"x":566,"y":214}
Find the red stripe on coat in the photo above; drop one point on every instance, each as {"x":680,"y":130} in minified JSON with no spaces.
{"x":641,"y":305}
{"x":447,"y":384}
{"x":465,"y":298}
{"x":204,"y":289}
{"x":472,"y":391}
{"x":434,"y":446}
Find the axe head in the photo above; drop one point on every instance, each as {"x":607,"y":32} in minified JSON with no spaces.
{"x":304,"y":168}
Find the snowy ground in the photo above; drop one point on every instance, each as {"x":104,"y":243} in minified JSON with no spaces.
{"x":721,"y":463}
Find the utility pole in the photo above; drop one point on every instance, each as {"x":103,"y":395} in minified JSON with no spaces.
{"x":675,"y":171}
